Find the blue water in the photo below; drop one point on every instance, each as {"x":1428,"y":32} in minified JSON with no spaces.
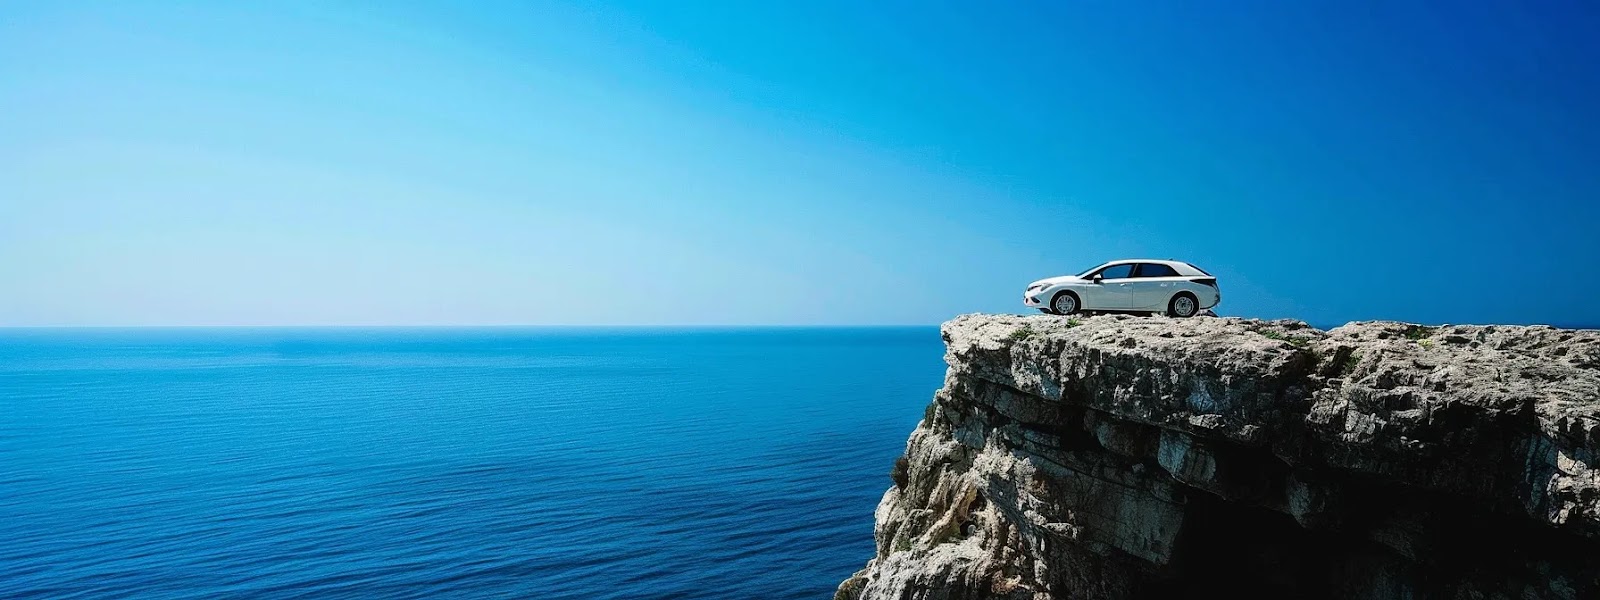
{"x":449,"y":463}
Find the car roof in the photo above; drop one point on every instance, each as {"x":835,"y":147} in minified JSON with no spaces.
{"x":1145,"y":260}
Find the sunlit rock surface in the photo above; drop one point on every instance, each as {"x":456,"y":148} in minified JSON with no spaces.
{"x":1137,"y":457}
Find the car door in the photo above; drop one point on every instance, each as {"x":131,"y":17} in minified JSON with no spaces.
{"x":1152,"y":285}
{"x":1112,"y":292}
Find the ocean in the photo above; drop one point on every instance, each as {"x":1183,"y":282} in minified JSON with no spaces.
{"x":449,"y":462}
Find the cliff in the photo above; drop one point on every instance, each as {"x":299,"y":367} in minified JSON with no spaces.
{"x":1131,"y":457}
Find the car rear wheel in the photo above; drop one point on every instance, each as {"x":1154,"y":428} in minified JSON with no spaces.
{"x":1064,"y":303}
{"x":1183,"y":306}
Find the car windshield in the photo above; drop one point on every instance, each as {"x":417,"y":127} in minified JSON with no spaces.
{"x":1089,"y":270}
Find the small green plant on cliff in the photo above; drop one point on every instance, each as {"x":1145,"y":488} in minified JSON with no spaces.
{"x":1349,"y":365}
{"x":1426,"y":344}
{"x":901,"y":473}
{"x":1073,"y":322}
{"x":902,"y":544}
{"x":1278,"y":335}
{"x":1021,"y":333}
{"x":1417,"y":332}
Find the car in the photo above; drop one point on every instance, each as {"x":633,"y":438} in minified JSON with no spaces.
{"x":1176,"y":288}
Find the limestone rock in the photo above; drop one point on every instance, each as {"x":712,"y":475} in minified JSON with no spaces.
{"x":1143,"y":457}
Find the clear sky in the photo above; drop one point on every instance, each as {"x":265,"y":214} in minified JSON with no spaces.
{"x":818,"y":162}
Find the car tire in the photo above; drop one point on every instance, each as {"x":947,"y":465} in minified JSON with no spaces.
{"x":1183,"y":305}
{"x":1065,"y":303}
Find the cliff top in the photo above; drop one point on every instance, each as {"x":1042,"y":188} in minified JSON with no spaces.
{"x":1371,"y":395}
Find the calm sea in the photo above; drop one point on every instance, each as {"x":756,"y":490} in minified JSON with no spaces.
{"x":449,"y":463}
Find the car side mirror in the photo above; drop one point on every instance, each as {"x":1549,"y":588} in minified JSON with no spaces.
{"x":1099,"y":278}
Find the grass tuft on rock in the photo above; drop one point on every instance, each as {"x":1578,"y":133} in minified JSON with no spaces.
{"x":1292,"y":341}
{"x":1417,"y":332}
{"x":1350,"y":363}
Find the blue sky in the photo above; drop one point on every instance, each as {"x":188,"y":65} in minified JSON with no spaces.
{"x":789,"y":163}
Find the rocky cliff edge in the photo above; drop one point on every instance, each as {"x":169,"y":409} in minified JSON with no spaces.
{"x":1132,"y":457}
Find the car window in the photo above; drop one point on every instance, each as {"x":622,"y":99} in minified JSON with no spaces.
{"x":1116,"y":271}
{"x":1156,"y":270}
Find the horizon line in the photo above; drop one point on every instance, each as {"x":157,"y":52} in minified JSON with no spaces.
{"x":489,"y":326}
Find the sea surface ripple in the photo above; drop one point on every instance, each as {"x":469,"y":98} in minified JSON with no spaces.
{"x":449,"y":463}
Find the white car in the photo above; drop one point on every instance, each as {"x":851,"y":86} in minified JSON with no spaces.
{"x":1139,"y":285}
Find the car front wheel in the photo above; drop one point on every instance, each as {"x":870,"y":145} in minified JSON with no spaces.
{"x":1183,"y":306}
{"x":1064,"y":303}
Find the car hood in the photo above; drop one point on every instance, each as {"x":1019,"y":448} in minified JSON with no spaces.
{"x":1057,"y":280}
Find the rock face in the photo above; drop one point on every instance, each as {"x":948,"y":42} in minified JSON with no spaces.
{"x":1145,"y":457}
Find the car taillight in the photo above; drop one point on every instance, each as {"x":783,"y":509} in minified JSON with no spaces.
{"x":1211,"y":281}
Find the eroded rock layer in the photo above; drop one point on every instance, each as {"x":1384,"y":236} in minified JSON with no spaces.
{"x":1123,"y":457}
